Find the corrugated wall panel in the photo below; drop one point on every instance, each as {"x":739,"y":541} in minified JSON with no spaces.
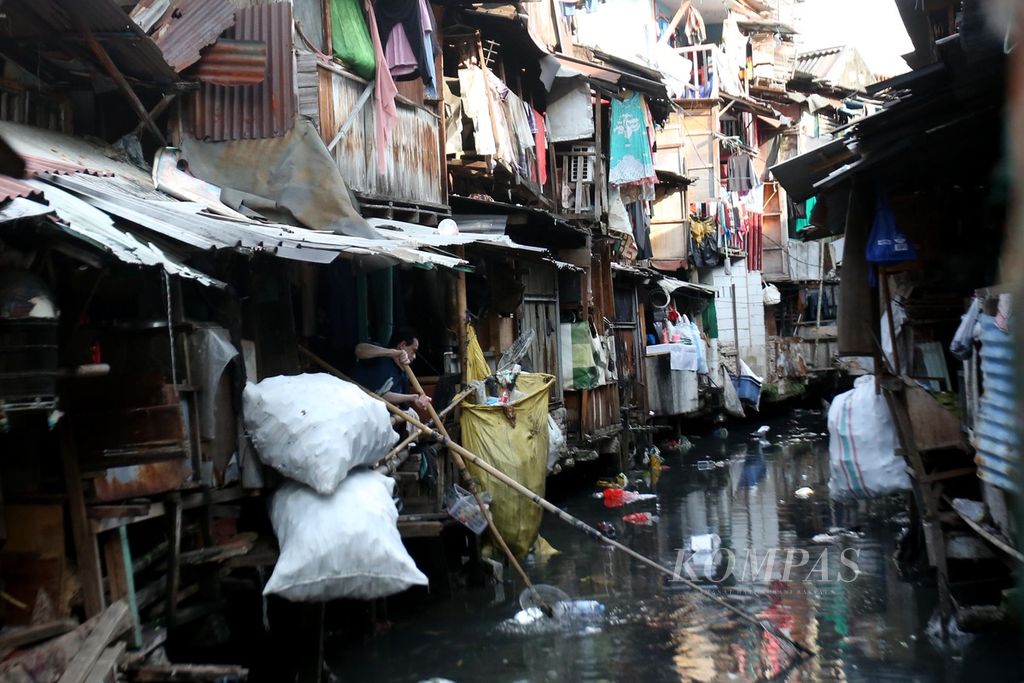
{"x":413,"y":172}
{"x":259,"y":111}
{"x":997,"y":444}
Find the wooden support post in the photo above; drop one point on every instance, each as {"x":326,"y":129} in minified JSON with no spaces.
{"x":108,"y":65}
{"x":173,"y":556}
{"x":156,"y":111}
{"x":86,"y":548}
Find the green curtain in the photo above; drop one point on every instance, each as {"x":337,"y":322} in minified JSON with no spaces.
{"x":350,"y":36}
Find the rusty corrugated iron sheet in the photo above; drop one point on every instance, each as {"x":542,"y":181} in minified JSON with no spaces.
{"x":233,"y":63}
{"x":11,"y":188}
{"x":190,"y":25}
{"x":259,"y":111}
{"x":37,"y":165}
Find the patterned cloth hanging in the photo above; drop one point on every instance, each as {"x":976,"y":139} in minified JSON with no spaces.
{"x":632,"y":163}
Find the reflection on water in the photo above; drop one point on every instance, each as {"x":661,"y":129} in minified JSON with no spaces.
{"x":866,"y":627}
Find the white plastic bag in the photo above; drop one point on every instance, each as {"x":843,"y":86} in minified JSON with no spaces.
{"x":862,"y":445}
{"x":345,"y":545}
{"x":556,"y":443}
{"x":315,"y":428}
{"x":962,"y":345}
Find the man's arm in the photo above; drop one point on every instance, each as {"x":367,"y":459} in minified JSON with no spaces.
{"x":367,"y":351}
{"x":401,"y":399}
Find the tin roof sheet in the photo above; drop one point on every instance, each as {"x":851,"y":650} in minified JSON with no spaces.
{"x":250,"y":112}
{"x":190,"y":25}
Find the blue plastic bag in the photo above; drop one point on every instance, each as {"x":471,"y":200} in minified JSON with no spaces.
{"x":887,"y":243}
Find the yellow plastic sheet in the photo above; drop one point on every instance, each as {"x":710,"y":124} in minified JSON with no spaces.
{"x":518,"y":447}
{"x":476,"y":364}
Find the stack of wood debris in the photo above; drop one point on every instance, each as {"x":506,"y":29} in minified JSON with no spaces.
{"x":101,"y":650}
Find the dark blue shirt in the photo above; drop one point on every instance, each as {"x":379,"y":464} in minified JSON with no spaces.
{"x":372,"y":373}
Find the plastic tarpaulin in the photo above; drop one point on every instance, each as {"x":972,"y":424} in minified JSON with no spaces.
{"x":514,"y":439}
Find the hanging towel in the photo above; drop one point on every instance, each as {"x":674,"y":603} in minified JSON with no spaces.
{"x":350,"y":39}
{"x":384,"y":92}
{"x":631,"y":159}
{"x":407,"y":13}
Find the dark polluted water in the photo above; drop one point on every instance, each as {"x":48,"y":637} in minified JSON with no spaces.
{"x":841,"y":596}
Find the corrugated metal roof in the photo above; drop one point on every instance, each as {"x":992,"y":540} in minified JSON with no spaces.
{"x":233,"y":63}
{"x":82,"y":221}
{"x":183,"y":222}
{"x":998,"y":446}
{"x":52,"y":21}
{"x":11,"y":188}
{"x":257,"y":111}
{"x":37,"y":165}
{"x":189,"y":26}
{"x":817,"y":62}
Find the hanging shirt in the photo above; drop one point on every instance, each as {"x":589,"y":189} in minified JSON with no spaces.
{"x":407,"y":13}
{"x":742,"y":176}
{"x":400,"y":56}
{"x":429,"y":47}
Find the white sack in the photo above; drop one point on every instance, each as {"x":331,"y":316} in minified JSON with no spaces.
{"x":315,"y":428}
{"x":862,"y":445}
{"x":345,"y":545}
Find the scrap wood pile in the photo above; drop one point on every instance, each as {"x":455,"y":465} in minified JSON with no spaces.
{"x":96,"y":651}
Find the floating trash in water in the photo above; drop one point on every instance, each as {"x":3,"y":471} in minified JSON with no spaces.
{"x":581,"y":616}
{"x":804,"y":492}
{"x":641,"y":519}
{"x":705,"y":465}
{"x":761,"y":431}
{"x":824,"y":538}
{"x":616,"y":498}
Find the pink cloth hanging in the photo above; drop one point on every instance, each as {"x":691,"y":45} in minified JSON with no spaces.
{"x":384,"y":92}
{"x":399,"y":54}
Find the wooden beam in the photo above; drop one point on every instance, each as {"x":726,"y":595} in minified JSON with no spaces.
{"x":194,"y":673}
{"x":173,"y":556}
{"x":156,"y":111}
{"x":86,"y":550}
{"x":109,"y":626}
{"x":27,"y":635}
{"x":108,"y":65}
{"x":106,"y":665}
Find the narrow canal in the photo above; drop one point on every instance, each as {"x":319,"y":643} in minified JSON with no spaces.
{"x":865,"y":622}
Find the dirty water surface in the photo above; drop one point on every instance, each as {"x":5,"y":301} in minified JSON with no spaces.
{"x":842,"y":595}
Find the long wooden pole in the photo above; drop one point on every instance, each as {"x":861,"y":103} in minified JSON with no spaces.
{"x":569,"y":519}
{"x":470,"y":483}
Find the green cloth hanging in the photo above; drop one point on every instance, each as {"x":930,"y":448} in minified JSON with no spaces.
{"x":350,"y":36}
{"x":709,"y":318}
{"x":804,"y":223}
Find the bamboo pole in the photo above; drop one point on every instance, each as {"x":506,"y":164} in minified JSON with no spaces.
{"x":467,"y":478}
{"x":577,"y":524}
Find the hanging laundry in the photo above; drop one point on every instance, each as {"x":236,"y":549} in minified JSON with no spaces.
{"x":400,"y":56}
{"x":631,"y":163}
{"x":429,"y":47}
{"x":742,"y":176}
{"x":541,"y":140}
{"x":350,"y":39}
{"x":452,"y":122}
{"x":384,"y":90}
{"x":473,"y":85}
{"x":641,"y":229}
{"x":407,"y":13}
